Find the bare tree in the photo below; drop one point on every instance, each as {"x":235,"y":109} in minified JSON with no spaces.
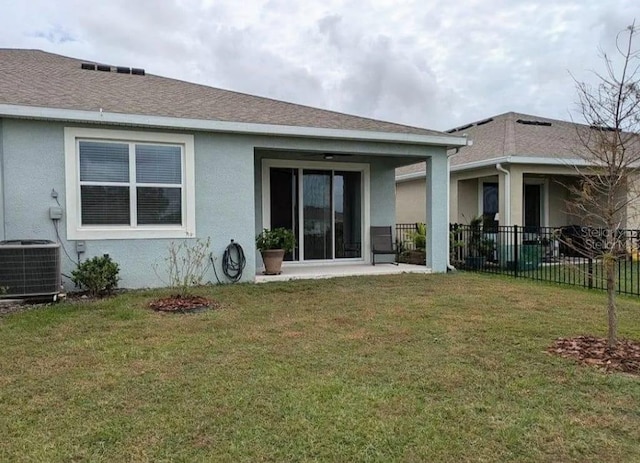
{"x":608,"y":190}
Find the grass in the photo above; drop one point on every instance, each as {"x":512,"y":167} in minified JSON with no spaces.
{"x":447,"y":368}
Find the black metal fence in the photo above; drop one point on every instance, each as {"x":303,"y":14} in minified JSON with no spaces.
{"x":406,"y":236}
{"x":572,"y":255}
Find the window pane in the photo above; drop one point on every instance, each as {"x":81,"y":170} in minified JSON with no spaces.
{"x":157,"y":206}
{"x":158,"y":164}
{"x":104,"y":162}
{"x":105,"y":205}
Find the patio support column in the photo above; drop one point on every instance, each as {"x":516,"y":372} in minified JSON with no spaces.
{"x":437,"y":217}
{"x":2,"y":225}
{"x":516,"y":195}
{"x":633,"y":196}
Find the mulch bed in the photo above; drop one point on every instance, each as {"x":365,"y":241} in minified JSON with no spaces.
{"x":592,"y":351}
{"x":183,"y":304}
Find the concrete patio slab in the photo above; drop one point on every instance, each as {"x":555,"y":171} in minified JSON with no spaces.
{"x":314,"y":272}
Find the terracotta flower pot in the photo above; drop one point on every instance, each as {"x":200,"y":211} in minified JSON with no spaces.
{"x":272,"y":259}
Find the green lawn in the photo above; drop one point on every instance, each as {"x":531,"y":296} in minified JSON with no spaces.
{"x":447,"y":368}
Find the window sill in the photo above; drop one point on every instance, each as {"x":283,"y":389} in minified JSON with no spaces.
{"x":108,"y":233}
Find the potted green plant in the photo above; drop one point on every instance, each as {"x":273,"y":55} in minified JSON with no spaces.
{"x":273,"y":244}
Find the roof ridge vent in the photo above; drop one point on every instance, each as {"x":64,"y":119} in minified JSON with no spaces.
{"x":114,"y":69}
{"x":604,"y":128}
{"x":458,"y":129}
{"x":528,"y":122}
{"x":486,"y":121}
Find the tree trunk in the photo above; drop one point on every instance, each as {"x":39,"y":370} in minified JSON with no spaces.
{"x":610,"y":273}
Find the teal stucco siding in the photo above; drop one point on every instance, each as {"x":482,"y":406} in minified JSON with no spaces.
{"x":228,"y":193}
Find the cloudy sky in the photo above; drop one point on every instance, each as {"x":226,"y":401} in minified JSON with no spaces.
{"x":434,"y":64}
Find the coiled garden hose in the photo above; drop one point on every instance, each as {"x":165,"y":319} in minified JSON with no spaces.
{"x":233,"y":262}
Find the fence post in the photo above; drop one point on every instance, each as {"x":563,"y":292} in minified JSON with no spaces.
{"x":590,"y":273}
{"x":516,"y":251}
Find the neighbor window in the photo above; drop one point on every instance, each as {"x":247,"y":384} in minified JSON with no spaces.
{"x":138,"y":185}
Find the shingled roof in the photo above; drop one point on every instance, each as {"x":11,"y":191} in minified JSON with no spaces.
{"x":517,"y":134}
{"x":512,"y":135}
{"x":40,"y":79}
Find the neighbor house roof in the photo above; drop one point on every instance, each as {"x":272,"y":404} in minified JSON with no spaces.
{"x":512,"y":135}
{"x":34,"y":78}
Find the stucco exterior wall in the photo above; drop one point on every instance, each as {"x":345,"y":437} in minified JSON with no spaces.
{"x":558,"y":195}
{"x":467,"y":200}
{"x":411,"y":203}
{"x":34,"y":166}
{"x":227,"y":192}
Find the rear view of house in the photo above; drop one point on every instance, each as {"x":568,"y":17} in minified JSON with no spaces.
{"x":113,"y":160}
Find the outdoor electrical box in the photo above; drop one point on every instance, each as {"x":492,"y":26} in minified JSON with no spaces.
{"x":80,"y":247}
{"x":55,"y":213}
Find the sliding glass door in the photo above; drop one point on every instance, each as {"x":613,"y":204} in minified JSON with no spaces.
{"x":347,"y":194}
{"x":322,"y":207}
{"x":316,"y":212}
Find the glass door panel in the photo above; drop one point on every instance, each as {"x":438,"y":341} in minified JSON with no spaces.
{"x":532,"y":209}
{"x":284,"y":203}
{"x":317,"y":216}
{"x":489,"y":206}
{"x":347,"y":194}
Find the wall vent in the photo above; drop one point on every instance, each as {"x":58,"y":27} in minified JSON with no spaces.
{"x":30,"y":268}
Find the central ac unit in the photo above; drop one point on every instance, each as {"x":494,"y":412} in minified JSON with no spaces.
{"x":29,"y":268}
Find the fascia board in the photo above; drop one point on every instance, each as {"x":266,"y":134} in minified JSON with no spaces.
{"x":411,"y":176}
{"x":539,"y":160}
{"x":100,"y":117}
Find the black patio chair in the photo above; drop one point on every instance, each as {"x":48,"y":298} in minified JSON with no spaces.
{"x":382,"y":243}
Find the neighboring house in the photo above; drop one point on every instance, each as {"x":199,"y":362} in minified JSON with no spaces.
{"x":136,"y":160}
{"x":514,"y":171}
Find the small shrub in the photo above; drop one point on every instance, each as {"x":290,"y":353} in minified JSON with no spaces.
{"x":187,"y":264}
{"x":419,"y":236}
{"x":99,"y":275}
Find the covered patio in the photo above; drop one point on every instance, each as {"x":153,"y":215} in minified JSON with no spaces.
{"x":315,"y":272}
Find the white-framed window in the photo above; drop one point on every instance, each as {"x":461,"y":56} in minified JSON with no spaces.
{"x":125,"y":184}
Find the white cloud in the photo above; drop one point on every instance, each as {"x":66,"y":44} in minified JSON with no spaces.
{"x":433,"y":64}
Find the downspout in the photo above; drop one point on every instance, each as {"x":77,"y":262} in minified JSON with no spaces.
{"x":507,"y":194}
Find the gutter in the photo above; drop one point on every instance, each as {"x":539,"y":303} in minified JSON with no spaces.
{"x":538,"y":160}
{"x":101,"y":117}
{"x":507,"y":193}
